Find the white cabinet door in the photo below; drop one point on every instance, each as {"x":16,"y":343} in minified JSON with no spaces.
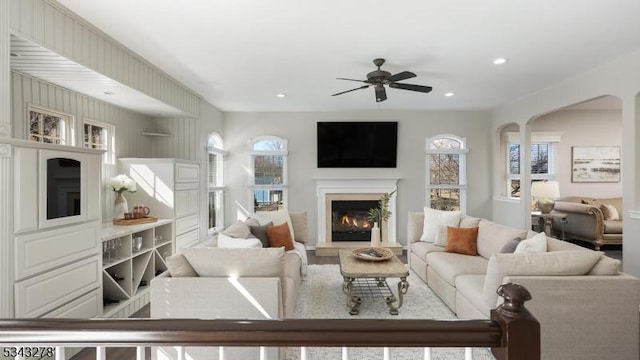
{"x":25,"y":181}
{"x":186,"y":240}
{"x":186,"y":223}
{"x":186,"y":173}
{"x":186,"y":202}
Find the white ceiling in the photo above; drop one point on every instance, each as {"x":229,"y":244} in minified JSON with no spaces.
{"x":238,"y":54}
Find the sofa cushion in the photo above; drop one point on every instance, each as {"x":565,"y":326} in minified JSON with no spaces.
{"x":421,"y":249}
{"x":492,"y":237}
{"x":225,"y":241}
{"x":415,"y":226}
{"x":510,"y":247}
{"x":547,"y":263}
{"x":300,"y":226}
{"x":609,"y":212}
{"x":434,"y":218}
{"x":260,"y":232}
{"x":606,"y":266}
{"x":536,"y":244}
{"x":612,"y":226}
{"x":560,"y":245}
{"x":470,"y":288}
{"x":450,"y":265}
{"x":462,"y":241}
{"x":179,"y":266}
{"x":469,"y":222}
{"x":441,"y":236}
{"x":235,"y":262}
{"x":237,"y":230}
{"x":276,"y":217}
{"x":279,"y":235}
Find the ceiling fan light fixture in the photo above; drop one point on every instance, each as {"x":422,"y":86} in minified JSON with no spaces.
{"x":500,"y":61}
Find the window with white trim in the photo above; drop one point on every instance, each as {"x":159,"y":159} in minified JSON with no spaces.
{"x":215,"y":156}
{"x":268,"y":173}
{"x":98,"y":135}
{"x":544,"y":159}
{"x":446,"y":178}
{"x":49,"y":126}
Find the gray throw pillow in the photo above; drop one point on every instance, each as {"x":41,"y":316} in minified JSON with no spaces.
{"x":260,"y":232}
{"x":510,"y":247}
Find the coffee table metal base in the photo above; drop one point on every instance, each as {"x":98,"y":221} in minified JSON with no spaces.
{"x":360,"y":289}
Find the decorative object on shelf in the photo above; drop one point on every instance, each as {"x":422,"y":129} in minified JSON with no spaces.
{"x":545,"y":192}
{"x":377,"y":216}
{"x":595,"y":164}
{"x":140,"y":211}
{"x":136,"y":243}
{"x":373,"y":254}
{"x":120,"y":184}
{"x":375,"y":235}
{"x":144,"y":220}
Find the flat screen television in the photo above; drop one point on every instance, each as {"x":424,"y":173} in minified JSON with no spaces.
{"x":357,"y":144}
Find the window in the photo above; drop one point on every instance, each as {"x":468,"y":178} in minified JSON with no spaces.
{"x":97,"y":135}
{"x":268,"y":176}
{"x":215,"y":155}
{"x":49,"y":126}
{"x":544,"y":155}
{"x":446,"y":180}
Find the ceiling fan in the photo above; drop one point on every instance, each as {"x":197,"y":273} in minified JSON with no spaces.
{"x":379,"y":78}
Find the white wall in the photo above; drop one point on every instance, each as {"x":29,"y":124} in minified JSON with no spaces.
{"x":583,"y":128}
{"x":299,"y":128}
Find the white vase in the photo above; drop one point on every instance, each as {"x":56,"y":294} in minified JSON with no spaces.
{"x":121,"y":206}
{"x":375,"y":235}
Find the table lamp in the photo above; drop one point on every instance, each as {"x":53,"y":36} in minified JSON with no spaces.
{"x":545,"y":192}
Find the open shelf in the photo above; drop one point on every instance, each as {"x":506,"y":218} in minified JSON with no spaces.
{"x":134,"y":270}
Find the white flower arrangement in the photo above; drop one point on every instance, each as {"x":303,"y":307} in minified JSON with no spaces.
{"x":122,"y":183}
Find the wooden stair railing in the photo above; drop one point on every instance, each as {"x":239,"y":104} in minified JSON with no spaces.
{"x":512,"y":332}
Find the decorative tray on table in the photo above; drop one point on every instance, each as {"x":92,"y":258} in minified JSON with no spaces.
{"x":373,"y":254}
{"x":144,"y":220}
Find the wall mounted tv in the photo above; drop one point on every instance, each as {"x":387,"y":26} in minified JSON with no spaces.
{"x":357,"y":144}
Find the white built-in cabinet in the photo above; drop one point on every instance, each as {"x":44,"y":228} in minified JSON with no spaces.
{"x":170,"y":188}
{"x":127,"y":271}
{"x":56,"y":231}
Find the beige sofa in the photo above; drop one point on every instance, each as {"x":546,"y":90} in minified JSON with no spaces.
{"x":586,"y":222}
{"x":593,"y":315}
{"x":231,"y":283}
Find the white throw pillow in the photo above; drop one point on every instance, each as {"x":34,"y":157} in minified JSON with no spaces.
{"x":276,"y":217}
{"x":613,"y":212}
{"x":536,"y":244}
{"x":434,"y":218}
{"x":441,"y":236}
{"x":560,"y":263}
{"x":225,"y":241}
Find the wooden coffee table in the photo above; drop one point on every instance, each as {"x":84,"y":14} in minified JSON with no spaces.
{"x":368,"y":280}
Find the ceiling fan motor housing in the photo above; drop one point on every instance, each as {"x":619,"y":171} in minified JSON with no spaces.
{"x":378,"y":76}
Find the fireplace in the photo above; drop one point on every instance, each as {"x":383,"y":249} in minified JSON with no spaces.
{"x":349,"y":220}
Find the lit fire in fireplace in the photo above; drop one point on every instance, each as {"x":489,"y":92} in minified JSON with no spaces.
{"x":354,"y":222}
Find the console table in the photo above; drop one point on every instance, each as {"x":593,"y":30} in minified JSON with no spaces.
{"x":545,"y":221}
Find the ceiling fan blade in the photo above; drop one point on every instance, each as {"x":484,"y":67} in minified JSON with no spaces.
{"x":364,"y":81}
{"x":358,"y":88}
{"x":419,"y":88}
{"x":401,"y":76}
{"x":381,"y":94}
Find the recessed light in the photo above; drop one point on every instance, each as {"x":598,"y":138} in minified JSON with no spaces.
{"x":281,"y":95}
{"x":449,"y":94}
{"x":109,"y":93}
{"x":499,"y":61}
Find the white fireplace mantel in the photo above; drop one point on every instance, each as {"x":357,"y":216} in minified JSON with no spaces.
{"x":326,"y":186}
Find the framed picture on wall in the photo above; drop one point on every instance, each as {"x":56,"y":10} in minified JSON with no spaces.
{"x":594,"y":164}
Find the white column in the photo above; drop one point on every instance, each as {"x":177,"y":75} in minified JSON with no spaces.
{"x":6,"y":261}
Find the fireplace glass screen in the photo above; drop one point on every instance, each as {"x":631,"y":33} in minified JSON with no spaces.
{"x":349,"y":220}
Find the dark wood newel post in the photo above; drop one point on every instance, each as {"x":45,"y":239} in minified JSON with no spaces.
{"x":521,"y":331}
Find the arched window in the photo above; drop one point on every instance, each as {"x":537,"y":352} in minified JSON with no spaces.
{"x":446,"y":178}
{"x":268,"y":175}
{"x":215,"y":153}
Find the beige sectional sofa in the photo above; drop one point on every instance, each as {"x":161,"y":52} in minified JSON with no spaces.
{"x":231,"y":283}
{"x":587,"y":308}
{"x":588,"y":222}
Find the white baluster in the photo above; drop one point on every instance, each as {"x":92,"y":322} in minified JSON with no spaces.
{"x":386,"y":355}
{"x":101,"y":353}
{"x":221,"y":353}
{"x":263,"y":353}
{"x":468,"y":353}
{"x":60,"y":353}
{"x":140,"y":352}
{"x":345,"y":353}
{"x":303,"y":353}
{"x":427,"y":353}
{"x":181,"y":352}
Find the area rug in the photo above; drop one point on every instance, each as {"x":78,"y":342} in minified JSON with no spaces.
{"x":321,"y":297}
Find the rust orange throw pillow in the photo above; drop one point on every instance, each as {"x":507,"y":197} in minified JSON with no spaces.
{"x":279,"y":235}
{"x":462,"y":240}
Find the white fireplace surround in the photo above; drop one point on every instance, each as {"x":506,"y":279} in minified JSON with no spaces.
{"x":335,"y":188}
